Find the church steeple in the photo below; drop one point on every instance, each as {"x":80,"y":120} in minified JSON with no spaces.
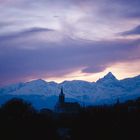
{"x":61,"y":97}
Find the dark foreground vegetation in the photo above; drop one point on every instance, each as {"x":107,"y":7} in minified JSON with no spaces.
{"x":20,"y":121}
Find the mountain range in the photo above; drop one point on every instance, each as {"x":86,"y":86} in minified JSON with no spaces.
{"x":106,"y":90}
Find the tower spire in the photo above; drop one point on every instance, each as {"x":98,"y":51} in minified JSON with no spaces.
{"x":61,"y":97}
{"x":61,"y":91}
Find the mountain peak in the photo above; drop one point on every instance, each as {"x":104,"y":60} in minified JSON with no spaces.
{"x":109,"y":78}
{"x":110,"y":75}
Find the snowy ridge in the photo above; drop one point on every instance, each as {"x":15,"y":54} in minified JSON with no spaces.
{"x":105,"y":91}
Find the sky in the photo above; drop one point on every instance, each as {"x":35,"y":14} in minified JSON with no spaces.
{"x":59,"y":40}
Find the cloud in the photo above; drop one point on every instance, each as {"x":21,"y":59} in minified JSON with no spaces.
{"x":73,"y":17}
{"x":58,"y":45}
{"x":48,"y":59}
{"x":95,"y":68}
{"x":134,"y":31}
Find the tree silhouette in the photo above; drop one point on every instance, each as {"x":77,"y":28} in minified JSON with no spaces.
{"x":17,"y":108}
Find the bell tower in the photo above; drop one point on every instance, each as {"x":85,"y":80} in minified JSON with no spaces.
{"x":61,"y":97}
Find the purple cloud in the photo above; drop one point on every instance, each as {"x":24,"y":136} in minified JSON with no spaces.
{"x":134,"y":31}
{"x":46,"y":52}
{"x":18,"y":63}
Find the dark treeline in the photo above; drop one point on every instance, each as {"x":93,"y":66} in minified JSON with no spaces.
{"x":19,"y":120}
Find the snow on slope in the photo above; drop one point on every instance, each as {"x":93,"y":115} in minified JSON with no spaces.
{"x":105,"y":91}
{"x":80,"y":90}
{"x":36,"y":87}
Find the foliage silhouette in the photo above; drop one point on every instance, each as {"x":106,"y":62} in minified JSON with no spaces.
{"x":19,"y":120}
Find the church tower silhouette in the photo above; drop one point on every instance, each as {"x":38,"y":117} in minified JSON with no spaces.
{"x":61,"y":97}
{"x":67,"y":107}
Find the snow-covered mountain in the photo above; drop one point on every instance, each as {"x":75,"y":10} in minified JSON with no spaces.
{"x":106,"y":90}
{"x":108,"y":80}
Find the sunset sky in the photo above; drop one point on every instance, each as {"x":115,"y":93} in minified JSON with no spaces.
{"x":60,"y":40}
